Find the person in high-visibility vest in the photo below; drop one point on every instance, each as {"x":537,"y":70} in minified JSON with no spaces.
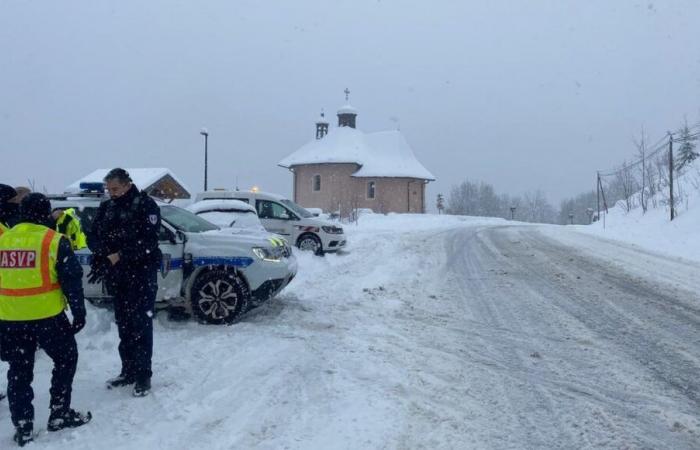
{"x":38,"y":273}
{"x":68,"y":224}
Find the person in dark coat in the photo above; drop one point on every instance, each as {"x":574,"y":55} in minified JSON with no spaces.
{"x":9,"y":209}
{"x":126,"y":257}
{"x":9,"y":216}
{"x":38,"y":272}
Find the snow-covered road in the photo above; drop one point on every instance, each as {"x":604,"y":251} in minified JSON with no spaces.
{"x":574,"y":349}
{"x":432,"y":332}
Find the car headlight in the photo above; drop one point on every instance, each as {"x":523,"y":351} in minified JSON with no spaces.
{"x":267,"y":254}
{"x":332,"y":229}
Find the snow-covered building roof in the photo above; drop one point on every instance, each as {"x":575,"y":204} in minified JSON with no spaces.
{"x":159,"y":182}
{"x":380,"y":154}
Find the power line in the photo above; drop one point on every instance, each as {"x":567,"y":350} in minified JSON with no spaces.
{"x":660,"y":146}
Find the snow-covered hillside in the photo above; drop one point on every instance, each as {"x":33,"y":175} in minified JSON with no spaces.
{"x":654,"y":230}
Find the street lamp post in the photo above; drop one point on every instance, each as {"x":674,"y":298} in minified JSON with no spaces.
{"x":205,"y":133}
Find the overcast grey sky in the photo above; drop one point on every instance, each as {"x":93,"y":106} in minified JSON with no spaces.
{"x":523,"y":94}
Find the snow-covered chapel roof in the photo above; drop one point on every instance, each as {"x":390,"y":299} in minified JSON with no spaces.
{"x":347,"y":109}
{"x":381,"y":154}
{"x":143,"y":178}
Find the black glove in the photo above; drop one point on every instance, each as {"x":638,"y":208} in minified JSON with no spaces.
{"x":78,"y":324}
{"x":98,"y":269}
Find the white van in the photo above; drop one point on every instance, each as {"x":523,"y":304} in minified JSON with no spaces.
{"x":284,"y":217}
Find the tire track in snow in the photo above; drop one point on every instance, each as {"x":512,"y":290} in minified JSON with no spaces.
{"x":557,"y":272}
{"x":492,"y":302}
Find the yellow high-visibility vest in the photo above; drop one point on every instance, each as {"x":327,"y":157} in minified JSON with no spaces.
{"x":29,"y":287}
{"x":3,"y":228}
{"x":69,"y":225}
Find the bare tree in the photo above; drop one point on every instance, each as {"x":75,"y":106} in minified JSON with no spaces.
{"x":641,"y":145}
{"x":626,"y":184}
{"x":536,"y":208}
{"x":652,"y":184}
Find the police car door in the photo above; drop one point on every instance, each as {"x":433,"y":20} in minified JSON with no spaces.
{"x":274,"y":217}
{"x":94,"y":291}
{"x":172,"y":246}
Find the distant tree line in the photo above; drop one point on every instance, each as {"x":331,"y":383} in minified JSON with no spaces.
{"x":634,"y":184}
{"x":480,"y":199}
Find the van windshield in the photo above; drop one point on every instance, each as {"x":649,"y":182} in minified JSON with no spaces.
{"x":298,"y":210}
{"x":184,"y":220}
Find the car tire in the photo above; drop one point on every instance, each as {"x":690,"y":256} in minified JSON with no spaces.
{"x":310,"y":242}
{"x":219,"y":297}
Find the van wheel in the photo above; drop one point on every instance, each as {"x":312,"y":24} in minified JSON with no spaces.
{"x":219,"y":297}
{"x":309,"y":242}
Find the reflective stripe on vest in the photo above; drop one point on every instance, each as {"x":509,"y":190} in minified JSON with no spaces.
{"x":29,"y":287}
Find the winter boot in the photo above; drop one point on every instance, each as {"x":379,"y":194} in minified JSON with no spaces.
{"x":23,"y":433}
{"x":70,"y":418}
{"x":119,"y":381}
{"x":142,"y":388}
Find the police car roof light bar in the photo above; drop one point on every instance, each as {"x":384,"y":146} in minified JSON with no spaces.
{"x":92,"y":187}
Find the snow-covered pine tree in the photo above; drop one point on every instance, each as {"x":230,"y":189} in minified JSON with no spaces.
{"x":686,"y":149}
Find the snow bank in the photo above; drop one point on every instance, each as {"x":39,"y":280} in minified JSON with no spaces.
{"x":415,"y":222}
{"x":654,"y":230}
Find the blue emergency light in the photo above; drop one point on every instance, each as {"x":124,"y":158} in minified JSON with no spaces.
{"x":92,"y":186}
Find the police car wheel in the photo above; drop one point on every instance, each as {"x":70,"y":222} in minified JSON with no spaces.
{"x":219,"y":297}
{"x":309,"y":242}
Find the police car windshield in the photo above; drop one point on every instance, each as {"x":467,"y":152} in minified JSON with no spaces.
{"x":184,"y":220}
{"x":298,"y":210}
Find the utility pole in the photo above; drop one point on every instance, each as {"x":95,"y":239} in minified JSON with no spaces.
{"x":670,"y":169}
{"x":205,"y":133}
{"x":644,"y":163}
{"x":597,"y":189}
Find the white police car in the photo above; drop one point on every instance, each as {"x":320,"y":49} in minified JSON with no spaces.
{"x":284,"y":217}
{"x":228,"y":214}
{"x":217,"y":274}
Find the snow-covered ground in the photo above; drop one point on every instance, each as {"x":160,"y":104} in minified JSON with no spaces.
{"x":430,"y":332}
{"x":654,"y":230}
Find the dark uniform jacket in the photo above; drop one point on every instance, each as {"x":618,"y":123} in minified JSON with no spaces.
{"x":9,"y":214}
{"x":127,"y":225}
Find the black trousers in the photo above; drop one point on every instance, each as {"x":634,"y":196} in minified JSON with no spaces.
{"x":134,"y":309}
{"x":18,"y":345}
